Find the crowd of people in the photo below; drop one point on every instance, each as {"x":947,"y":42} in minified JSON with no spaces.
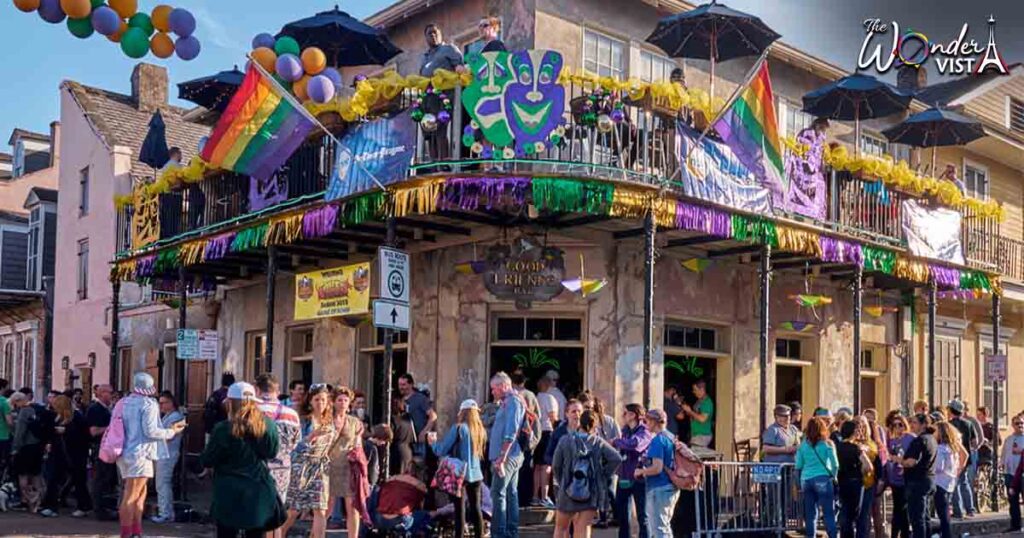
{"x":927,"y":459}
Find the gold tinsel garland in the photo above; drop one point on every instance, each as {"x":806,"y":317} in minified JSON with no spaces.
{"x":798,"y":241}
{"x":372,"y":91}
{"x":284,"y":230}
{"x":420,"y":197}
{"x":912,"y":270}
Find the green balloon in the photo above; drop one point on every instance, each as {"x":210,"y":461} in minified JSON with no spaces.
{"x":287,"y":45}
{"x":135,"y":43}
{"x":142,"y":22}
{"x":96,"y":3}
{"x":80,"y":28}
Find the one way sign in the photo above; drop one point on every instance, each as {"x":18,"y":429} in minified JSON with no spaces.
{"x":390,"y":315}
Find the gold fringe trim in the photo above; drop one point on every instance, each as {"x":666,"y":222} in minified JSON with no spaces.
{"x":418,"y":198}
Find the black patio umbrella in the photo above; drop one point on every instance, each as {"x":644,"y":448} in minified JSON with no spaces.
{"x":154,"y":147}
{"x":712,"y":31}
{"x":856,"y":97}
{"x":345,"y":40}
{"x":935,"y":127}
{"x":212,"y":92}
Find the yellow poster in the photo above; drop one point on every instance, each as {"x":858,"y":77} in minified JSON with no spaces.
{"x":146,"y":220}
{"x":341,"y":291}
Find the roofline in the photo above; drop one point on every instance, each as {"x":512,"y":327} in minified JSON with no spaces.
{"x":25,"y":133}
{"x":69,"y":85}
{"x":398,"y":12}
{"x":988,"y":86}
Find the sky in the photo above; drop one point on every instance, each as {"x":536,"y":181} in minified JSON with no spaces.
{"x":38,"y":56}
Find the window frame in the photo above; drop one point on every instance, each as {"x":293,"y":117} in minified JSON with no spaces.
{"x":623,"y":67}
{"x":864,"y":136}
{"x":785,"y":107}
{"x":83,"y":269}
{"x":655,"y":57}
{"x":1012,"y":103}
{"x":83,"y":191}
{"x":977,"y":167}
{"x":33,"y":269}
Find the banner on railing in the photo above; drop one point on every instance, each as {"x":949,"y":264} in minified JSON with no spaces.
{"x":712,"y":172}
{"x":372,"y":154}
{"x":264,"y":193}
{"x":341,"y":291}
{"x":932,"y":232}
{"x":146,"y":219}
{"x":804,"y":193}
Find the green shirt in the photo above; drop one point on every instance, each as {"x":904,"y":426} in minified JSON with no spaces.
{"x":707,"y":408}
{"x":5,"y":411}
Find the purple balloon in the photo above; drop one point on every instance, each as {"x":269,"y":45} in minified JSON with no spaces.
{"x":320,"y":89}
{"x":187,"y":48}
{"x":289,"y":67}
{"x":105,"y":20}
{"x":181,"y":22}
{"x":51,"y":12}
{"x":263,"y":40}
{"x":334,"y":75}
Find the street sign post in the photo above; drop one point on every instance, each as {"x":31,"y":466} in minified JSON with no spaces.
{"x":995,"y":368}
{"x":197,"y":344}
{"x":394,"y":274}
{"x":390,"y":315}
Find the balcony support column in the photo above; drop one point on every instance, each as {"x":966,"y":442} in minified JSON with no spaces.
{"x":858,"y":298}
{"x":649,"y":230}
{"x":930,"y":369}
{"x":997,"y":319}
{"x":765,"y":273}
{"x":268,"y":353}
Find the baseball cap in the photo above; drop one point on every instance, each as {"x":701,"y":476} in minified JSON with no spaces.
{"x":468,"y":404}
{"x":241,"y":391}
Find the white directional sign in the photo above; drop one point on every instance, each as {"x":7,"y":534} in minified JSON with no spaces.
{"x":390,"y":315}
{"x":393,"y":267}
{"x":995,"y":368}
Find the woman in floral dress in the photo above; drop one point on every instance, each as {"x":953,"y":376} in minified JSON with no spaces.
{"x":309,"y":486}
{"x":350,"y":432}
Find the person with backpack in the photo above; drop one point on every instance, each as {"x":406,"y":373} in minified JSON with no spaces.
{"x":245,"y":496}
{"x":144,"y":442}
{"x":27,"y":450}
{"x":633,"y":446}
{"x":583,"y":466}
{"x":214,"y":410}
{"x":608,"y":430}
{"x":661,"y":492}
{"x":69,"y":449}
{"x":818,"y":466}
{"x":506,"y":457}
{"x":465,"y":441}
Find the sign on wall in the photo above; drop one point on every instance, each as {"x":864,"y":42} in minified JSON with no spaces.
{"x":197,"y":344}
{"x":995,"y":368}
{"x":524,"y":272}
{"x":146,"y":220}
{"x":341,"y":291}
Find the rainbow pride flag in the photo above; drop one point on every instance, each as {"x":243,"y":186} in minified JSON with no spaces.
{"x":750,"y":127}
{"x":259,"y":130}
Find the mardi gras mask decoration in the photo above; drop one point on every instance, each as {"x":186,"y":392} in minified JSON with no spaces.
{"x":485,"y":96}
{"x":534,"y":101}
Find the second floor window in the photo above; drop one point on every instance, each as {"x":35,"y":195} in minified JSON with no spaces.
{"x":796,"y":120}
{"x":655,"y":67}
{"x":83,"y":191}
{"x":870,"y":145}
{"x":35,"y":228}
{"x":603,"y":55}
{"x":83,"y":269}
{"x":976,"y":181}
{"x":1015,"y":121}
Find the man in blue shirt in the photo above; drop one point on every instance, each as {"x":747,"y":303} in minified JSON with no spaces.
{"x":505,"y":455}
{"x":661,"y":493}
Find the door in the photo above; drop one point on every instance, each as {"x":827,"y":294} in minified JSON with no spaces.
{"x":681,"y":372}
{"x":196,"y":391}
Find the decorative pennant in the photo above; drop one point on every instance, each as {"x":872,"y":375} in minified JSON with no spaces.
{"x":696,"y":265}
{"x":474,"y":267}
{"x":584,"y":286}
{"x":796,"y":326}
{"x":811,"y":301}
{"x":878,"y":311}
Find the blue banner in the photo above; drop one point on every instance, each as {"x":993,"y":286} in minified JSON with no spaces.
{"x":373,"y":154}
{"x":712,"y":172}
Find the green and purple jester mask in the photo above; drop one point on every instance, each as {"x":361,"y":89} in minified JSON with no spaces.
{"x":515,"y":98}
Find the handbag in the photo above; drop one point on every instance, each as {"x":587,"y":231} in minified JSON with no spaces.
{"x":451,"y":471}
{"x":835,"y":479}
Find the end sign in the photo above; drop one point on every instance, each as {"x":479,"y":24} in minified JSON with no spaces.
{"x":394,"y":274}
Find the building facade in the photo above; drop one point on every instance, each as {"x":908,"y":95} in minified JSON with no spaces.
{"x":708,"y":323}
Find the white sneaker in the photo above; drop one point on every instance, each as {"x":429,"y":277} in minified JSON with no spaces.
{"x":46,"y":512}
{"x":79,"y":513}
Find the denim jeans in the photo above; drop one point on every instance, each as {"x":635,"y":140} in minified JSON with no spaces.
{"x":637,"y":494}
{"x":660,"y":504}
{"x":851,"y":494}
{"x":1014,"y":503}
{"x":918,"y":492}
{"x":165,"y":487}
{"x":942,"y":511}
{"x":867,"y":501}
{"x":819,"y":492}
{"x":963,"y":496}
{"x":505,"y":500}
{"x":900,"y":520}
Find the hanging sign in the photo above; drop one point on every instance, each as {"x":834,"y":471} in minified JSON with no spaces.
{"x":524,"y":272}
{"x":995,"y":368}
{"x":197,"y":344}
{"x":394,"y":274}
{"x":146,"y":220}
{"x":341,"y":291}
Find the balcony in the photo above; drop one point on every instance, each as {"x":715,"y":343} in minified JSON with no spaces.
{"x":639,"y":150}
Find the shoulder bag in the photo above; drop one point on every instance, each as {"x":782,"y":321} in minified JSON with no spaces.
{"x":451,"y":471}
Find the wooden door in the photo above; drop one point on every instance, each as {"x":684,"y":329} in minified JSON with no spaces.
{"x":197,"y":389}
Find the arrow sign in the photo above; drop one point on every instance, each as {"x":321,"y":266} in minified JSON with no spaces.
{"x":390,"y":315}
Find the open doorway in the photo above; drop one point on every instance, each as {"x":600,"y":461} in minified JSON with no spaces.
{"x":796,"y":372}
{"x":533,"y":345}
{"x":370,"y":376}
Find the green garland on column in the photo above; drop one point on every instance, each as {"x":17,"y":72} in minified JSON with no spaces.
{"x":362,"y":208}
{"x":877,"y":259}
{"x":755,"y":230}
{"x":571,"y":195}
{"x":166,"y":260}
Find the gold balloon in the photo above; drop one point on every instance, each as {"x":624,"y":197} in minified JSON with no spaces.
{"x":162,"y":45}
{"x":299,"y":88}
{"x":161,"y":17}
{"x":266,"y":57}
{"x":116,"y":36}
{"x":313,"y":61}
{"x":27,"y":6}
{"x":124,"y":8}
{"x":605,"y":123}
{"x":76,"y":9}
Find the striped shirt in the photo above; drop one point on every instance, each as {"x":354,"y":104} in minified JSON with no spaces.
{"x":288,"y":431}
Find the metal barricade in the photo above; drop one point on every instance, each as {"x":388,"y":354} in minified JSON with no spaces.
{"x":744,"y":498}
